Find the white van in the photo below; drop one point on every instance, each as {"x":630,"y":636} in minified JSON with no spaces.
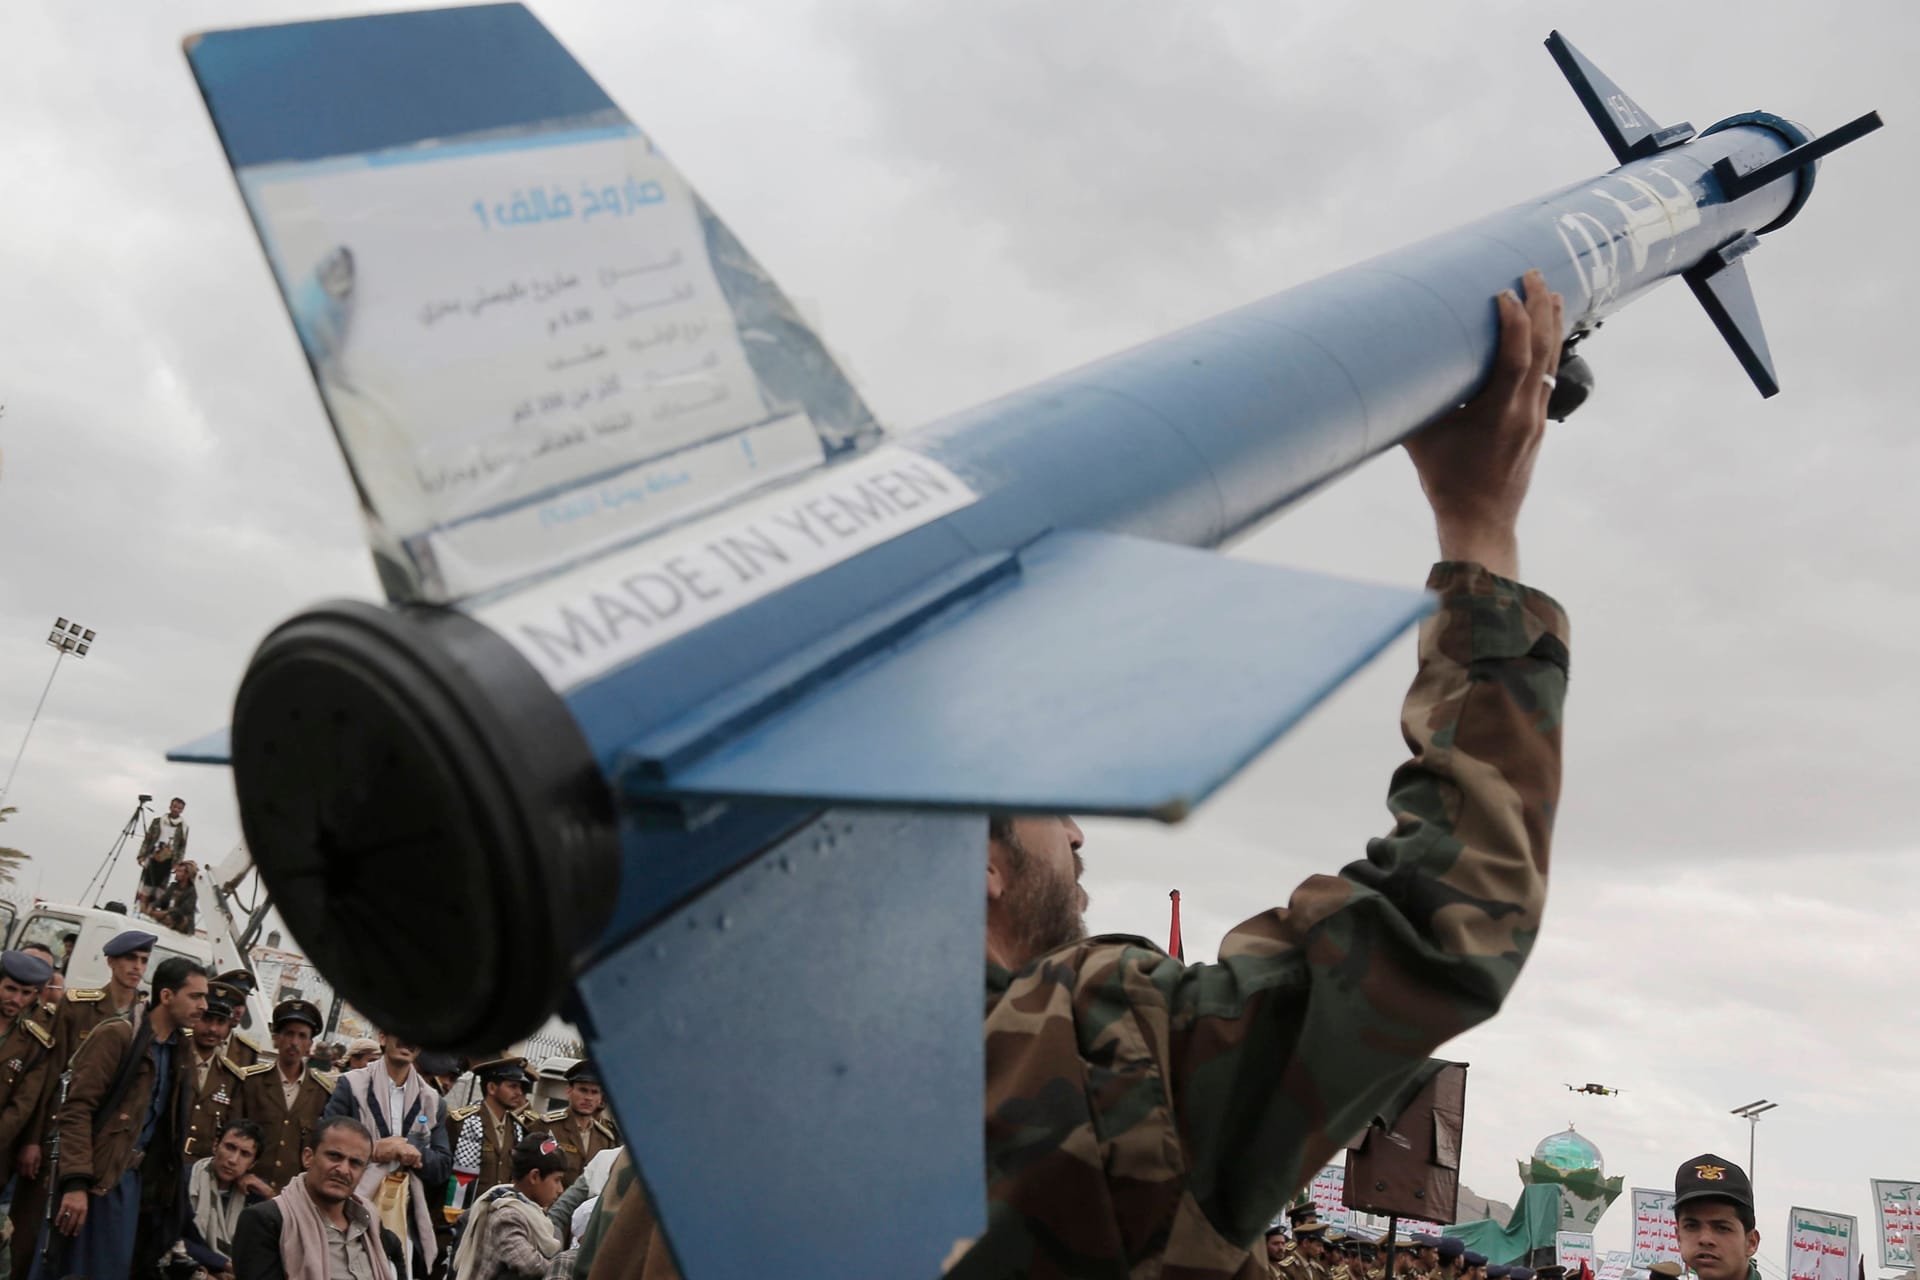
{"x":76,"y":935}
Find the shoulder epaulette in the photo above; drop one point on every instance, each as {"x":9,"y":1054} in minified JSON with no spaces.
{"x":258,"y":1068}
{"x":605,"y":1126}
{"x":40,"y":1033}
{"x":87,"y":995}
{"x":325,"y":1079}
{"x":527,"y":1115}
{"x":460,"y":1115}
{"x":555,"y":1117}
{"x":230,"y":1065}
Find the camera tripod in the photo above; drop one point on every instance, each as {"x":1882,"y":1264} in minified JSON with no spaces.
{"x":136,"y":825}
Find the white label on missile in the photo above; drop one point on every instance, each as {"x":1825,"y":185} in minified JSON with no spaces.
{"x":585,"y":622}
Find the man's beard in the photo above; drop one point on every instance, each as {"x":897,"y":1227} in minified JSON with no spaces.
{"x":1044,"y":911}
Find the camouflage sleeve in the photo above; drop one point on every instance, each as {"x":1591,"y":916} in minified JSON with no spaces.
{"x":1320,"y":1010}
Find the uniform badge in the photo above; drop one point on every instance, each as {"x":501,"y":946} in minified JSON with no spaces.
{"x":1710,"y":1172}
{"x":221,"y":1097}
{"x":14,"y":1064}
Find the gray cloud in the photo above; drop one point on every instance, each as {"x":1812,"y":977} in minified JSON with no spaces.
{"x":970,"y":197}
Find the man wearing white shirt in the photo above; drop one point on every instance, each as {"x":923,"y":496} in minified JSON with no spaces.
{"x":402,"y":1111}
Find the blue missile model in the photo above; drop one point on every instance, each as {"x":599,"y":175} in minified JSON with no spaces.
{"x":692,"y":688}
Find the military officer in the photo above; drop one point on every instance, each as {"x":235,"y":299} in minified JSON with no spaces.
{"x":1552,"y":1271}
{"x":1308,"y":1261}
{"x":74,"y":1020}
{"x":1666,"y":1269}
{"x":1277,"y":1248}
{"x":284,"y":1096}
{"x":243,"y":1047}
{"x":1452,"y":1253}
{"x":582,"y":1127}
{"x":215,"y":1079}
{"x":26,"y":1049}
{"x":1475,"y":1265}
{"x":1426,"y":1255}
{"x":485,"y":1133}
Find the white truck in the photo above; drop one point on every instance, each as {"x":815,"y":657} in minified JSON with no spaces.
{"x":75,"y":934}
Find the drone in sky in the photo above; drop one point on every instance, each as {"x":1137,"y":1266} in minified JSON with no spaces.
{"x":1597,"y":1090}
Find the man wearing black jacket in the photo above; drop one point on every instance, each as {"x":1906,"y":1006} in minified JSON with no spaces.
{"x":333,"y":1229}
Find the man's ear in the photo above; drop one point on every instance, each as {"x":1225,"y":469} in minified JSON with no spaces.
{"x":996,"y":871}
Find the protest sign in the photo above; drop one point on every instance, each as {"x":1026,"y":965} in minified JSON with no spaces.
{"x":1822,"y":1246}
{"x":1571,"y":1248}
{"x":1613,"y":1265}
{"x":1896,"y":1209}
{"x":1655,"y":1236}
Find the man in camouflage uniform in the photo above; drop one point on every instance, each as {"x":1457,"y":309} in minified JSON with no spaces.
{"x":1143,"y":1115}
{"x":285,"y":1097}
{"x":75,"y":1020}
{"x":484,"y":1135}
{"x":583,"y":1127}
{"x":26,"y":1050}
{"x":214,"y":1080}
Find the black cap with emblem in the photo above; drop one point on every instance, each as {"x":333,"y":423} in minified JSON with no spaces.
{"x":1712,"y":1177}
{"x":298,"y":1011}
{"x":223,"y":998}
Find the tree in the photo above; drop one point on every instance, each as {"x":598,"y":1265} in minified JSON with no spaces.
{"x":11,"y":860}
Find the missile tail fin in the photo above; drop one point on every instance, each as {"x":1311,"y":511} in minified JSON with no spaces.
{"x":1629,"y":131}
{"x":1012,"y":699}
{"x":1720,"y":282}
{"x":847,"y":961}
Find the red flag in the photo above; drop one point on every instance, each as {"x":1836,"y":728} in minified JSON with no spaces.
{"x":1586,"y":1272}
{"x":1174,"y":946}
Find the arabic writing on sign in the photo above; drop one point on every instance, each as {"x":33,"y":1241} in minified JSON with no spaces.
{"x":1656,"y":1236}
{"x":1897,"y":1205}
{"x":526,"y":208}
{"x":1820,"y":1246}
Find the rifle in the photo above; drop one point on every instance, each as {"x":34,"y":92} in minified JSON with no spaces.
{"x":48,"y":1234}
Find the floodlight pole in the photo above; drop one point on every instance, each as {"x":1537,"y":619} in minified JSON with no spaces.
{"x":65,"y":639}
{"x":24,"y":738}
{"x":1751,"y":1114}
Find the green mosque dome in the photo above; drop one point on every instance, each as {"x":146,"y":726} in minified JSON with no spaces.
{"x":1568,"y":1152}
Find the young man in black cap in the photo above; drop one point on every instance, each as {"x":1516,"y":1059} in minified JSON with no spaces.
{"x":485,"y":1135}
{"x":26,"y":1050}
{"x":1713,"y":1208}
{"x":1277,"y":1247}
{"x":284,"y":1096}
{"x":582,"y":1127}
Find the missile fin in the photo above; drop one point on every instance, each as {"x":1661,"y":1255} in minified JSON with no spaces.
{"x":1720,"y":282}
{"x":847,"y":960}
{"x":1630,"y":132}
{"x":1013,"y":699}
{"x":215,"y":748}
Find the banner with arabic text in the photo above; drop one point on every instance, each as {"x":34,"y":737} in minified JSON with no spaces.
{"x":1656,"y":1238}
{"x":1613,"y":1264}
{"x":1896,"y":1208}
{"x":1822,"y":1246}
{"x":1571,"y":1248}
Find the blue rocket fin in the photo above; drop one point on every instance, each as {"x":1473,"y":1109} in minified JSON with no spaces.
{"x":1720,"y":282}
{"x":848,"y":961}
{"x":215,"y":748}
{"x":1629,"y":131}
{"x":1108,"y":675}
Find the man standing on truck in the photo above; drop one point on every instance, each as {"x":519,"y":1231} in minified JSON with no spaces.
{"x":75,"y":1020}
{"x":166,"y":840}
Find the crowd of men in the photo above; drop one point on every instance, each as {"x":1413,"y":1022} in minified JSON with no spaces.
{"x":142,"y":1138}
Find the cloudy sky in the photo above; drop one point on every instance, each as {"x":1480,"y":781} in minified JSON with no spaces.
{"x":969,"y":196}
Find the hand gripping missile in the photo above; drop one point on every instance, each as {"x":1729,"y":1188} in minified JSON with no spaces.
{"x":692,"y":690}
